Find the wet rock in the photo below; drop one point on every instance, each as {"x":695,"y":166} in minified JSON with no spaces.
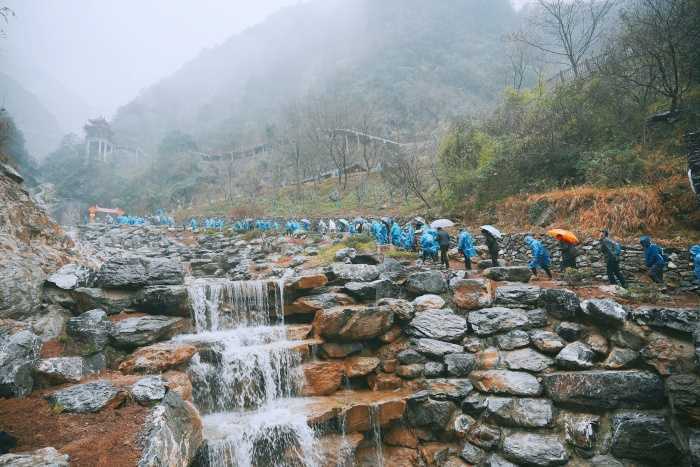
{"x":537,"y":318}
{"x":392,"y":270}
{"x":360,"y":366}
{"x":354,"y":323}
{"x":144,"y":330}
{"x":158,"y":358}
{"x":428,"y":302}
{"x":581,"y":432}
{"x":383,"y":382}
{"x":172,"y":433}
{"x":454,"y":389}
{"x":170,"y":300}
{"x":412,"y":371}
{"x":494,"y":460}
{"x":575,"y":356}
{"x":180,"y":383}
{"x":534,"y":449}
{"x":338,"y":449}
{"x":569,"y":331}
{"x":471,"y":294}
{"x":494,"y":320}
{"x":70,"y":276}
{"x":629,"y":336}
{"x":488,"y":359}
{"x":515,"y":412}
{"x":410,"y":357}
{"x":58,"y":370}
{"x":314,"y":303}
{"x":343,"y":273}
{"x":683,"y":392}
{"x":343,"y":253}
{"x":604,"y":312}
{"x":381,"y":288}
{"x":19,"y":353}
{"x":547,"y":342}
{"x":307,"y":282}
{"x":433,"y":413}
{"x":122,"y":272}
{"x":605,"y":461}
{"x":472,"y":454}
{"x":484,"y":436}
{"x":438,"y":324}
{"x":82,"y":398}
{"x":459,"y":364}
{"x":619,"y":359}
{"x":643,"y":436}
{"x":560,"y":303}
{"x":112,"y":301}
{"x":597,"y":343}
{"x":459,"y":426}
{"x":342,"y":350}
{"x":505,"y":382}
{"x":403,"y":310}
{"x":433,"y":369}
{"x":508,"y":274}
{"x":694,"y":446}
{"x":527,"y":359}
{"x":474,"y":404}
{"x":668,"y":355}
{"x":91,"y":328}
{"x":401,"y":436}
{"x":149,"y":390}
{"x":426,"y":282}
{"x":44,"y":457}
{"x":514,"y":339}
{"x":517,"y":296}
{"x":390,"y":456}
{"x":435,"y":348}
{"x":51,"y":324}
{"x":683,"y":320}
{"x":322,"y":378}
{"x":472,"y":344}
{"x":605,"y":389}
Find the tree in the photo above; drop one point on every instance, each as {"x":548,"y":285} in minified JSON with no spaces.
{"x":567,"y":30}
{"x":12,"y":147}
{"x":5,"y":14}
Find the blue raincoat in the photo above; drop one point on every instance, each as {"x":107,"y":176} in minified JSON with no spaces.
{"x":465,"y":244}
{"x":695,"y":253}
{"x":380,"y":233}
{"x":653,"y":254}
{"x":395,"y":234}
{"x":408,"y":238}
{"x":193,"y":224}
{"x":429,"y":244}
{"x":540,"y":254}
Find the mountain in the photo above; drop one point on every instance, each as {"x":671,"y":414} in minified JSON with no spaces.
{"x":419,"y":62}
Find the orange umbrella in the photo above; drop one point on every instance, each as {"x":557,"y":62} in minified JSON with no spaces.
{"x":565,"y":235}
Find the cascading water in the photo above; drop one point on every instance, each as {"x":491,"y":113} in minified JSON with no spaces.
{"x":245,"y":376}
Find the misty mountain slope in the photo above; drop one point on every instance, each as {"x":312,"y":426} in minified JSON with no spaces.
{"x":418,"y":62}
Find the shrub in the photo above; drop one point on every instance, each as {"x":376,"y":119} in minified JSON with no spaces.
{"x":612,"y":167}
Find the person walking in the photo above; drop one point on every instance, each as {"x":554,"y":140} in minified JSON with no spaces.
{"x":492,"y":245}
{"x":568,"y":254}
{"x":465,"y":245}
{"x":611,"y":252}
{"x":444,"y":242}
{"x":654,"y":259}
{"x":540,"y":256}
{"x":695,"y":256}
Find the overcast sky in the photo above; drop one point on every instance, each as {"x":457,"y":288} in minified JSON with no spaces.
{"x":105,"y":51}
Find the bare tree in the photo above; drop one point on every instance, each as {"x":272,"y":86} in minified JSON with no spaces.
{"x":519,"y":57}
{"x":567,"y":30}
{"x":405,"y":169}
{"x":5,"y":14}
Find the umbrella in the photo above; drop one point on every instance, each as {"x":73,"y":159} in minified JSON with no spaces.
{"x":492,"y":230}
{"x":386,"y":220}
{"x":306,"y":221}
{"x":444,"y":223}
{"x":566,"y":235}
{"x":420,"y":220}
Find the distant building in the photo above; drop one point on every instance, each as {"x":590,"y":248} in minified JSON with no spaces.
{"x":99,"y":143}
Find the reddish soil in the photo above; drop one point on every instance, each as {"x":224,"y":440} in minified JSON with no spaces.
{"x":122,"y":316}
{"x":52,"y":348}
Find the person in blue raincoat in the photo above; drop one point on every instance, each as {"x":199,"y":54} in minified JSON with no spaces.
{"x":193,"y":223}
{"x":695,"y":255}
{"x":465,"y":245}
{"x":408,"y":238}
{"x":380,"y":233}
{"x":395,"y":235}
{"x":654,"y":259}
{"x":429,"y":245}
{"x":540,"y":256}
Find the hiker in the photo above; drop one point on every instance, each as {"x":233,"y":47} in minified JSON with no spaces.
{"x":444,"y":242}
{"x":492,"y":245}
{"x":654,"y":259}
{"x":408,"y":240}
{"x":428,"y":245}
{"x":465,"y":245}
{"x":193,"y":224}
{"x":695,"y":255}
{"x":611,"y":252}
{"x":540,"y":256}
{"x":568,"y":254}
{"x":395,"y":235}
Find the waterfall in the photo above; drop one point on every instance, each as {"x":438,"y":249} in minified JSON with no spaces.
{"x":246,"y":375}
{"x":375,"y":424}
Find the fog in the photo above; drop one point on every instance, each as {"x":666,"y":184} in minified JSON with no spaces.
{"x":106,"y":51}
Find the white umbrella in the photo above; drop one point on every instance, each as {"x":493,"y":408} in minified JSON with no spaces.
{"x":492,"y":230}
{"x":419,"y":219}
{"x":444,"y":223}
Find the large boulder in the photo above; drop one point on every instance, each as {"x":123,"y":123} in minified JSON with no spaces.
{"x":343,"y":273}
{"x":135,"y":332}
{"x":560,"y":303}
{"x":149,"y":390}
{"x":514,"y":339}
{"x":91,"y":329}
{"x":69,"y":277}
{"x":354,"y":323}
{"x":136,"y":271}
{"x":575,"y":356}
{"x":44,"y":457}
{"x":171,"y":300}
{"x":495,"y":320}
{"x":535,"y":449}
{"x":314,"y":303}
{"x":307,"y":282}
{"x":684,"y":396}
{"x":436,"y":349}
{"x":459,"y":364}
{"x":423,"y":411}
{"x":59,"y":370}
{"x":442,"y":325}
{"x":453,"y":389}
{"x":322,"y":378}
{"x":605,"y":389}
{"x":403,"y":310}
{"x":604,"y":312}
{"x":426,"y":282}
{"x":685,"y":320}
{"x":88,"y":397}
{"x":519,"y":412}
{"x":644,"y":436}
{"x":19,"y":353}
{"x":546,"y":341}
{"x":112,"y":301}
{"x":375,"y":290}
{"x":172,"y":433}
{"x":505,"y":382}
{"x":158,"y":358}
{"x":509,"y":274}
{"x":517,"y":296}
{"x":527,"y":359}
{"x":471,"y":294}
{"x":428,"y":302}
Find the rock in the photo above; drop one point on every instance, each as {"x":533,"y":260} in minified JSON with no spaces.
{"x":170,"y":300}
{"x":517,"y":296}
{"x":392,"y":269}
{"x":438,"y":324}
{"x":343,"y":253}
{"x":314,"y":303}
{"x":360,"y":366}
{"x":535,"y":449}
{"x":581,"y":431}
{"x":643,"y":436}
{"x":569,"y":331}
{"x":526,"y":413}
{"x":668,"y":355}
{"x":149,"y":390}
{"x":597,"y":343}
{"x":44,"y":457}
{"x":428,"y":302}
{"x":180,"y":383}
{"x":454,"y":389}
{"x":620,"y":359}
{"x":694,"y":446}
{"x":683,"y":320}
{"x":410,"y":357}
{"x":158,"y":358}
{"x":604,"y":312}
{"x":91,"y":329}
{"x":605,"y":461}
{"x":70,"y":276}
{"x":494,"y":460}
{"x":428,"y":412}
{"x":433,"y":369}
{"x":322,"y":378}
{"x":426,"y":282}
{"x":19,"y":353}
{"x":471,"y":294}
{"x":335,"y":350}
{"x":560,"y":303}
{"x":381,"y":288}
{"x":172,"y":434}
{"x":51,"y":324}
{"x":403,"y":310}
{"x":164,"y":271}
{"x":88,"y":397}
{"x":629,"y":336}
{"x":494,"y":320}
{"x":505,"y":382}
{"x":537,"y":318}
{"x":459,"y":364}
{"x":605,"y":389}
{"x":436,"y":349}
{"x":412,"y":371}
{"x":472,"y":454}
{"x":683,"y":392}
{"x":308,"y":282}
{"x":342,"y":273}
{"x":514,"y":339}
{"x":527,"y":359}
{"x":508,"y":274}
{"x":484,"y":436}
{"x":353,"y":323}
{"x":112,"y":301}
{"x":575,"y":356}
{"x":383,"y":382}
{"x":133,"y":271}
{"x":144,"y":330}
{"x":488,"y":359}
{"x":472,"y":344}
{"x":459,"y":426}
{"x":401,"y":436}
{"x":336,"y":449}
{"x":546,"y":342}
{"x":59,"y":370}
